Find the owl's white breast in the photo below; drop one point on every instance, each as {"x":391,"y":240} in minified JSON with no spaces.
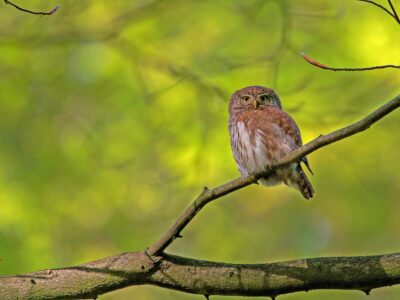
{"x":250,"y":152}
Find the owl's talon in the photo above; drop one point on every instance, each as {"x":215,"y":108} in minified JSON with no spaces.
{"x":177,"y":236}
{"x":367,"y":291}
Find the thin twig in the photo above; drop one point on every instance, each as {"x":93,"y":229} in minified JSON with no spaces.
{"x":322,"y":66}
{"x":394,"y":11}
{"x":44,"y":13}
{"x":209,"y":195}
{"x":382,"y":7}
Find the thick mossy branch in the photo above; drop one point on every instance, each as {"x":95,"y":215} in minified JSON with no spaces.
{"x":203,"y":277}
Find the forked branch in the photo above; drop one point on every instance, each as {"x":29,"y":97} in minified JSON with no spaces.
{"x":209,"y":195}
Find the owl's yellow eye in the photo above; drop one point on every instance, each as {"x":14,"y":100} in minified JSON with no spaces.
{"x":245,"y":99}
{"x":264,"y":98}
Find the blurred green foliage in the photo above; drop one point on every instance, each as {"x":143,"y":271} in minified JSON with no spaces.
{"x":113,"y":116}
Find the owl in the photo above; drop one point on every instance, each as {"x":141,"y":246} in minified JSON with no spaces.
{"x":261,"y":134}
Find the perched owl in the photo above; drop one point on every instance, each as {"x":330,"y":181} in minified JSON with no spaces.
{"x":262,"y":134}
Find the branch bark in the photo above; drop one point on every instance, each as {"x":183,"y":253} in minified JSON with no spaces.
{"x":209,"y":195}
{"x":90,"y":280}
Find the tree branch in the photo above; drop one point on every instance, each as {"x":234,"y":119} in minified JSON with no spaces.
{"x":393,"y":15}
{"x":322,"y":66}
{"x":396,"y":17}
{"x":209,"y":195}
{"x":34,"y":12}
{"x":212,"y":278}
{"x":89,"y":280}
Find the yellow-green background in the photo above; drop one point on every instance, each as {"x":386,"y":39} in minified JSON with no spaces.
{"x":113,"y":116}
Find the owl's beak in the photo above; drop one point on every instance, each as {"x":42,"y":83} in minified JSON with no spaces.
{"x":256,"y":103}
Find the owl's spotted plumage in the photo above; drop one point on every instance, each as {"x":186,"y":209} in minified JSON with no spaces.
{"x":262,"y":134}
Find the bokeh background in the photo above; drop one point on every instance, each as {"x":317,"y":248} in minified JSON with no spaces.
{"x":113,"y":116}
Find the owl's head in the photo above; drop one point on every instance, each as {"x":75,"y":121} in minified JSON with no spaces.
{"x":252,"y":98}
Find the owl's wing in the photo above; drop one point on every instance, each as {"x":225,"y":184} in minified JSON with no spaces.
{"x":291,"y":131}
{"x":284,"y":125}
{"x":289,"y":127}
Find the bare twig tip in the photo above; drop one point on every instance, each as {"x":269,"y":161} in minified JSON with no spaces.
{"x":314,"y":62}
{"x":55,"y":8}
{"x":43,"y":13}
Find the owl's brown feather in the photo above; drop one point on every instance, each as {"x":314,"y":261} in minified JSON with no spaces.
{"x":303,"y":184}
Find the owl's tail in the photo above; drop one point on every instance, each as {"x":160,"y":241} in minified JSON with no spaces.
{"x":298,"y":179}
